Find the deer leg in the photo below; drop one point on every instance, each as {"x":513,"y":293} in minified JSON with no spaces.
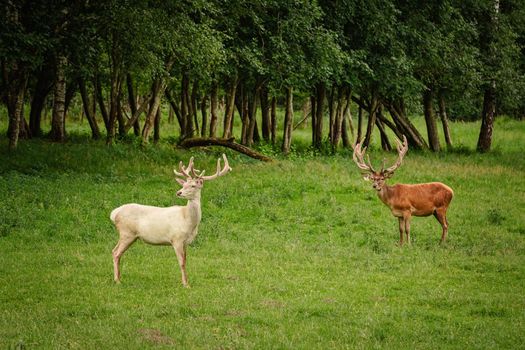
{"x":122,"y":245}
{"x":180,"y":250}
{"x":441,"y":216}
{"x":401,"y":230}
{"x":407,"y":228}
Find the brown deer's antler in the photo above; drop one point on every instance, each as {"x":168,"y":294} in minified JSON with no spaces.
{"x":358,"y":158}
{"x":402,"y":149}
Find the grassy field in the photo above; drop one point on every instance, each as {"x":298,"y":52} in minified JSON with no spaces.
{"x":296,"y":254}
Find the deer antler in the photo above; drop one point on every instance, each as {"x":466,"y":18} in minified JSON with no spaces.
{"x":185,"y":172}
{"x":402,"y":149}
{"x":358,"y":158}
{"x":190,"y":172}
{"x":219,"y":171}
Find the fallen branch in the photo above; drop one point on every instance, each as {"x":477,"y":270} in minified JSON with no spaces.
{"x":201,"y":142}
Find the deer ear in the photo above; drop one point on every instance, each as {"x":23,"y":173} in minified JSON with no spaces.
{"x":200,"y":182}
{"x":180,"y":181}
{"x":366,"y":177}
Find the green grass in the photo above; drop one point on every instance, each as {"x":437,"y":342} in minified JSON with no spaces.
{"x":299,"y":253}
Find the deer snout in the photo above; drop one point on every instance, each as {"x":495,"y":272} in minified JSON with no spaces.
{"x":179,"y":193}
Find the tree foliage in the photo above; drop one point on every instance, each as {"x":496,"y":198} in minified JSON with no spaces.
{"x":382,"y":54}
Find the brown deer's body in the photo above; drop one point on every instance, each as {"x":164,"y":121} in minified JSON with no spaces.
{"x":414,"y":199}
{"x":406,"y":201}
{"x":425,"y":199}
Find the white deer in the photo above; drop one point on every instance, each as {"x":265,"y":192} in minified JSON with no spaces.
{"x":407,"y":200}
{"x":176,"y":226}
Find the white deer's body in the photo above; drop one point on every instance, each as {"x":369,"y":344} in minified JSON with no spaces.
{"x":176,"y":226}
{"x":156,"y":225}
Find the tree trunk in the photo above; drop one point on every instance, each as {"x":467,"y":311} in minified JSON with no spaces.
{"x":213,"y":110}
{"x":391,"y":125}
{"x":253,"y":134}
{"x":24,"y":132}
{"x":177,"y":111}
{"x":194,"y":98}
{"x":488,"y":115}
{"x":288,"y":122}
{"x":132,"y":121}
{"x":321,"y":93}
{"x":14,"y":79}
{"x":204,"y":115}
{"x":444,"y":120}
{"x":385,"y":144}
{"x":132,"y":101}
{"x":120,"y":118}
{"x":171,"y":115}
{"x":397,"y":111}
{"x":71,"y":90}
{"x":331,"y":114}
{"x":114,"y":94}
{"x":374,"y":103}
{"x":156,"y":126}
{"x":347,"y":119}
{"x":241,"y":104}
{"x":157,"y":90}
{"x":42,"y":89}
{"x":15,"y":101}
{"x":95,"y":132}
{"x":338,"y":118}
{"x":313,"y":112}
{"x":185,"y":126}
{"x":265,"y":113}
{"x":101,"y":104}
{"x":359,"y":124}
{"x":273,"y":119}
{"x":59,"y":99}
{"x":230,"y":107}
{"x":430,"y":120}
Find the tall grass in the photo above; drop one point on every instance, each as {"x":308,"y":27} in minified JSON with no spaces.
{"x":299,"y":253}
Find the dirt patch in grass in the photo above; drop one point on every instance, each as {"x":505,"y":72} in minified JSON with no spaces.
{"x":155,"y":336}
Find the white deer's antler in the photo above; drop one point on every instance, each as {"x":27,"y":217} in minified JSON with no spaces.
{"x":185,"y":171}
{"x":219,"y":172}
{"x":190,"y":172}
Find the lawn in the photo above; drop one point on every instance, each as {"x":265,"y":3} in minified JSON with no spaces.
{"x":298,"y":253}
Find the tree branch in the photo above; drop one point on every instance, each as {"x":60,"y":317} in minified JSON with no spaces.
{"x":201,"y":142}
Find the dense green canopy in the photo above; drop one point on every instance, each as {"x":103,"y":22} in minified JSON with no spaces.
{"x":395,"y":56}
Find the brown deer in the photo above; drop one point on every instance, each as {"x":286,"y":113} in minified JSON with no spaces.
{"x":406,"y":200}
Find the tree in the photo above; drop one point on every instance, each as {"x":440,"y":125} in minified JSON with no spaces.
{"x":22,"y":44}
{"x":500,"y":57}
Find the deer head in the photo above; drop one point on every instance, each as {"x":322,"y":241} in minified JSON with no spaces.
{"x":192,"y":179}
{"x":378,"y":177}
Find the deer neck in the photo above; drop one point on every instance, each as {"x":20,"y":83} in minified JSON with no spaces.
{"x":385,"y":194}
{"x":193,"y":208}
